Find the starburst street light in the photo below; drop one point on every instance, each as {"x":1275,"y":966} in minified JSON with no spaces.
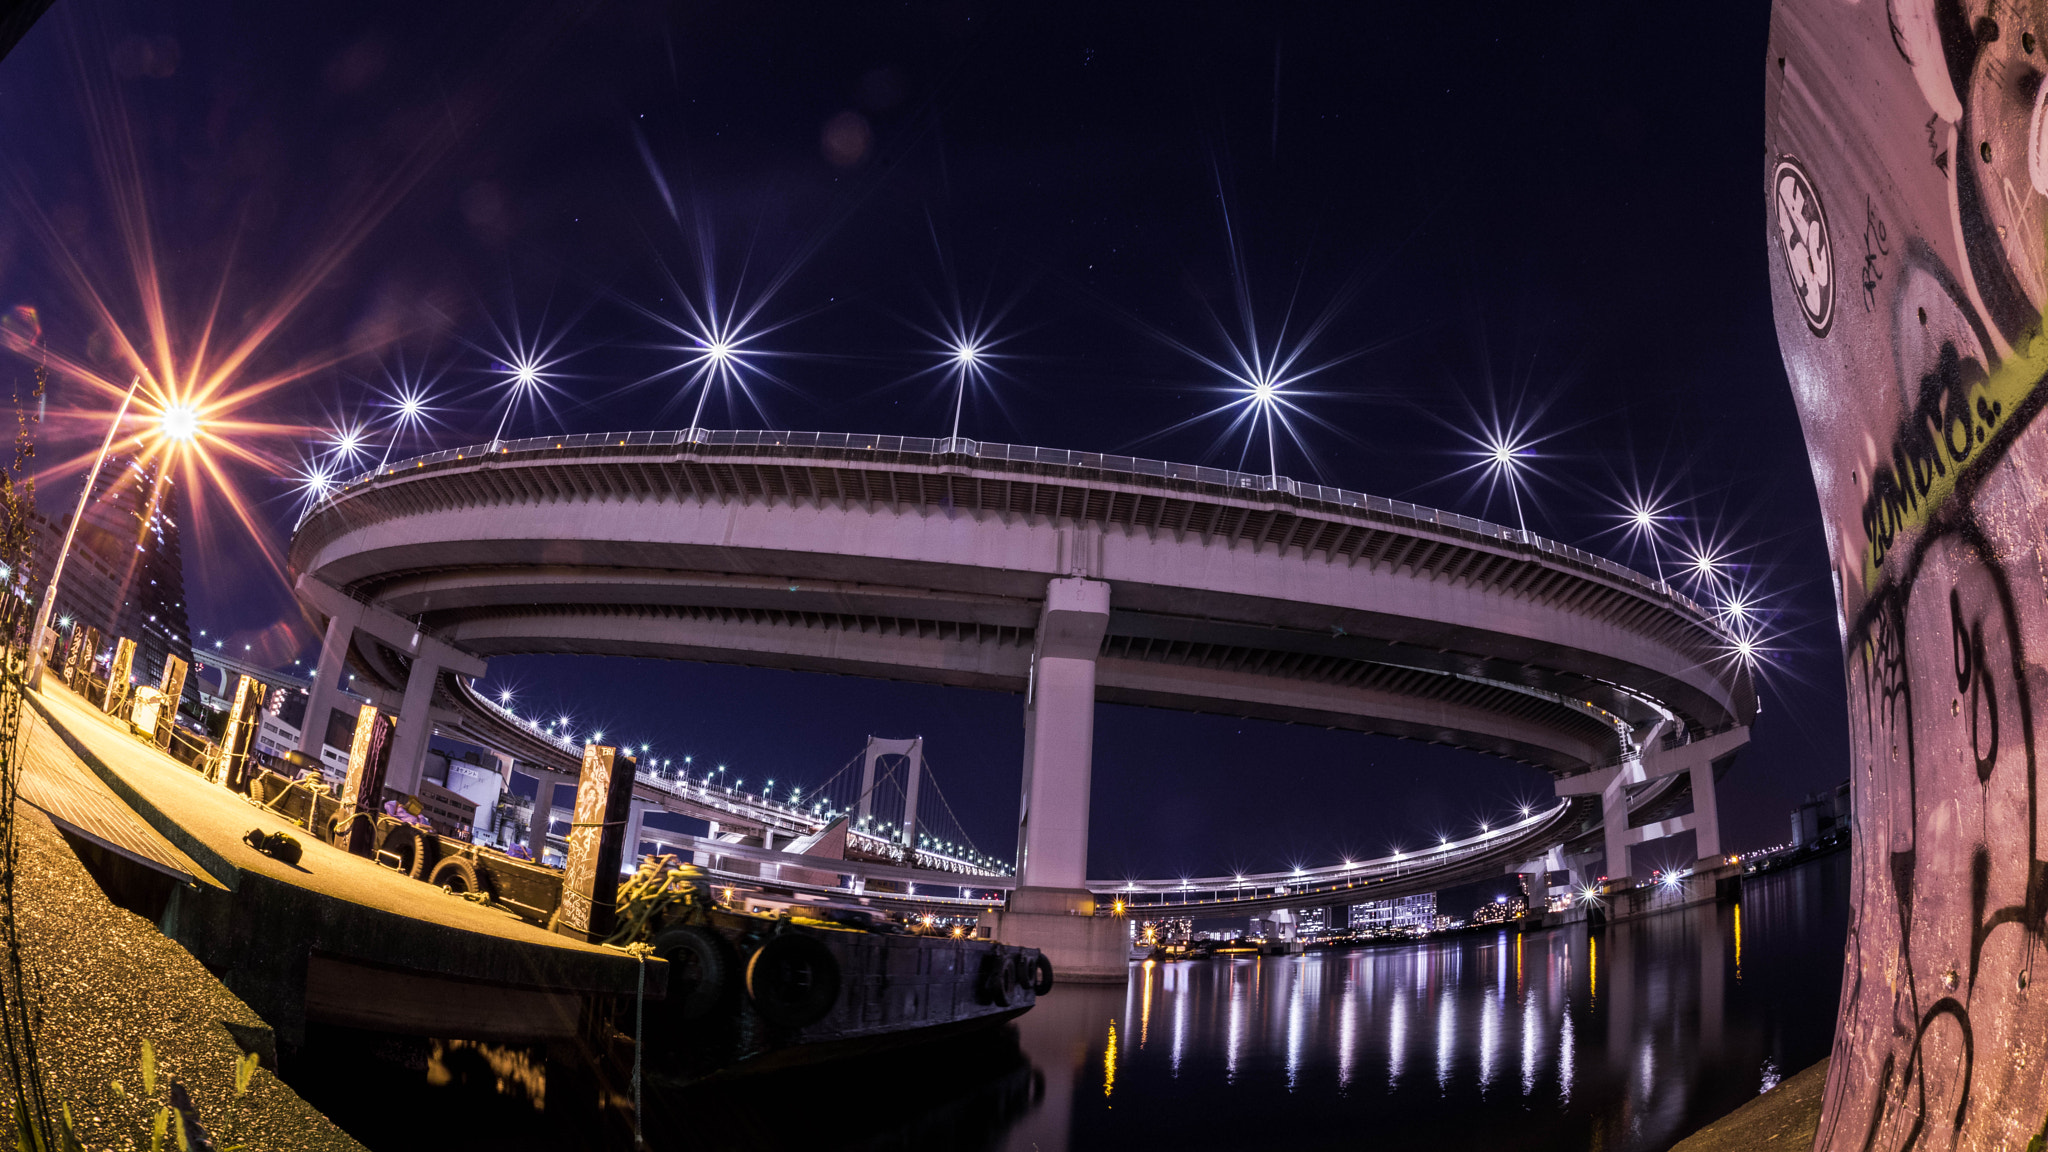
{"x":314,"y":481}
{"x":525,"y":367}
{"x":1645,"y":518}
{"x":1504,"y":450}
{"x":717,"y":339}
{"x":406,"y":410}
{"x":966,"y":342}
{"x":1261,"y":366}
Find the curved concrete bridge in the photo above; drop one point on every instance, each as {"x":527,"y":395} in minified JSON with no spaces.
{"x":1067,"y":577}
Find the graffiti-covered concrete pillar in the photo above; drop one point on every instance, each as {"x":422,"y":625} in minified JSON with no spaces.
{"x":1902,"y":182}
{"x":597,"y":833}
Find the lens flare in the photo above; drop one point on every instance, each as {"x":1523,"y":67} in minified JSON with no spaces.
{"x":179,"y":423}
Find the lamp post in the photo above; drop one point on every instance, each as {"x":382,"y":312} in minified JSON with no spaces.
{"x":35,"y":636}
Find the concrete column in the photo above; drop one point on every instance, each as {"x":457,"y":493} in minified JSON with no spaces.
{"x":1706,"y":811}
{"x":543,"y":809}
{"x":328,"y":676}
{"x":636,"y":816}
{"x":504,"y":762}
{"x":415,"y":725}
{"x":1052,"y":844}
{"x":1614,"y":825}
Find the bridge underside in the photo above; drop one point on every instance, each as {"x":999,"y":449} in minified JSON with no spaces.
{"x":1146,"y":659}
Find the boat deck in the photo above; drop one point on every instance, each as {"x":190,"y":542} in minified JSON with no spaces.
{"x":333,"y":937}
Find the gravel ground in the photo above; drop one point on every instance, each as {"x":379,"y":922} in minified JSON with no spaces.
{"x":110,"y":980}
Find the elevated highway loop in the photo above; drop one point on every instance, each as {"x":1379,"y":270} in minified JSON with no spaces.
{"x":1389,"y":877}
{"x":1067,"y":577}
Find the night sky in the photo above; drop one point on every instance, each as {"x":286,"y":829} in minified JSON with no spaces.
{"x":1549,"y":213}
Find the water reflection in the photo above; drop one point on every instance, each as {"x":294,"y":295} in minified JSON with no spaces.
{"x":1694,"y":1011}
{"x":1628,"y":1037}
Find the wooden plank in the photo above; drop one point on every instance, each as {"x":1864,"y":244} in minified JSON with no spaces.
{"x":78,"y":802}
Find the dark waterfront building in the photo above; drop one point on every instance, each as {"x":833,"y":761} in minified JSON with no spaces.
{"x":126,"y":574}
{"x":1820,"y":814}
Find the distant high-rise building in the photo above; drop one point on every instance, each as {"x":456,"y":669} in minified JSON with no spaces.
{"x":1403,"y":913}
{"x":126,"y":573}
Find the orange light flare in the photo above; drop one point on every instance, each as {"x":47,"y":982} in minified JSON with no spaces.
{"x":203,"y":335}
{"x":201,"y":440}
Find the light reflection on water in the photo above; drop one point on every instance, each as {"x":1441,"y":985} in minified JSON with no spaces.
{"x":1628,"y":1037}
{"x":1681,"y":1019}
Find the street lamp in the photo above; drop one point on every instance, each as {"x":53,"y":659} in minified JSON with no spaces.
{"x":186,"y":426}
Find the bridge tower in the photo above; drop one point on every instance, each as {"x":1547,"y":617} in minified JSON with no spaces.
{"x":912,"y":750}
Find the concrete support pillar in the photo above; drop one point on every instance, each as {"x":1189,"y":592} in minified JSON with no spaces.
{"x":504,"y":762}
{"x":1284,"y":923}
{"x":328,"y":677}
{"x":636,"y":817}
{"x":1614,"y":825}
{"x":415,"y":725}
{"x":1706,"y":811}
{"x":543,"y":811}
{"x":1059,"y":728}
{"x":597,"y":833}
{"x":1051,"y":910}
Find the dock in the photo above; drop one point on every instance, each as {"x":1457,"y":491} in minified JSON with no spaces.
{"x":334,"y":938}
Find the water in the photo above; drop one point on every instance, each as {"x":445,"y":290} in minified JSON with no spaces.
{"x":1622,"y":1038}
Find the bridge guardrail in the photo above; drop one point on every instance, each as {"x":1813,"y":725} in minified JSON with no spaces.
{"x":1022,"y":453}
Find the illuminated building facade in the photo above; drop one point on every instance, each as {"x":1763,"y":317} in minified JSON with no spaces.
{"x":1406,"y":913}
{"x":126,"y":573}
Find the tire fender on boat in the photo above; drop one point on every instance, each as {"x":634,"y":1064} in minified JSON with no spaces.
{"x":1041,"y":975}
{"x":700,"y":971}
{"x":415,"y":849}
{"x":457,"y":874}
{"x":793,"y":980}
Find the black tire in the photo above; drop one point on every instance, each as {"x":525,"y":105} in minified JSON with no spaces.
{"x":457,"y":874}
{"x":414,"y":848}
{"x":793,"y":980}
{"x":1041,"y":975}
{"x":997,"y":983}
{"x":700,"y":972}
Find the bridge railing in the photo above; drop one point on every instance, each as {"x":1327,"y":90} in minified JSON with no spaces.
{"x":1508,"y":839}
{"x":966,"y":449}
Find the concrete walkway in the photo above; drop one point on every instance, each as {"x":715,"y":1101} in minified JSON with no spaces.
{"x":207,"y":822}
{"x":335,"y":936}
